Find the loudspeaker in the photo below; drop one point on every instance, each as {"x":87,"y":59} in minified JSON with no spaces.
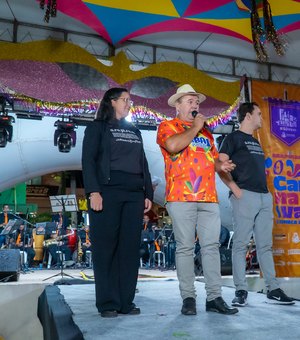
{"x":10,"y":265}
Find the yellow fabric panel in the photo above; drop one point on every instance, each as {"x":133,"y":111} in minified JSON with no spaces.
{"x":284,"y":7}
{"x":58,"y":51}
{"x":161,"y":7}
{"x":240,"y":26}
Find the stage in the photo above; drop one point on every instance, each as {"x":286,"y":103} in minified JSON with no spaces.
{"x":71,"y":313}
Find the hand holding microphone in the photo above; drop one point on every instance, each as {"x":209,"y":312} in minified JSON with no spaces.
{"x":199,"y":119}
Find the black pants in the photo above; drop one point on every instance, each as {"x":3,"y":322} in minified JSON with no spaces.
{"x":115,"y":237}
{"x":53,"y":248}
{"x":30,"y":254}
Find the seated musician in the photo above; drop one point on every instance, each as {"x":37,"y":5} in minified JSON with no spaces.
{"x":24,"y":242}
{"x":62,"y":220}
{"x":5,"y":216}
{"x":147,"y":240}
{"x":58,"y":242}
{"x":84,"y":235}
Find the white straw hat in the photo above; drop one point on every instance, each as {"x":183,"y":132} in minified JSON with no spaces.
{"x":184,"y":90}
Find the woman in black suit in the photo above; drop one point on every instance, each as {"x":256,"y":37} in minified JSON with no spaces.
{"x":118,"y":184}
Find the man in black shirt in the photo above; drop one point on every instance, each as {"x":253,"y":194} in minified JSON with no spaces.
{"x":251,"y":204}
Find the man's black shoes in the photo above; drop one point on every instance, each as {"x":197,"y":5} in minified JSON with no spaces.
{"x":277,"y":296}
{"x":189,"y":306}
{"x":218,"y":305}
{"x":240,"y":299}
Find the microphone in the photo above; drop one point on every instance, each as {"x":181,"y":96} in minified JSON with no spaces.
{"x":194,"y":113}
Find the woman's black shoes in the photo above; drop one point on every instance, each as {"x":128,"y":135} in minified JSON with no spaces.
{"x":109,"y":314}
{"x":134,"y":311}
{"x":113,"y":313}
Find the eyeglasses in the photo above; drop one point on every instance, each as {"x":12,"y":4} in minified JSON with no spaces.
{"x":126,"y":100}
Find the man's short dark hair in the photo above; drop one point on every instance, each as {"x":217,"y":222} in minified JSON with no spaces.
{"x":244,"y":109}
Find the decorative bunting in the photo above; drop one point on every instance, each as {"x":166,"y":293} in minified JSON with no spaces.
{"x":51,"y":9}
{"x":270,"y":30}
{"x":269,"y":33}
{"x":257,"y":34}
{"x":223,"y":117}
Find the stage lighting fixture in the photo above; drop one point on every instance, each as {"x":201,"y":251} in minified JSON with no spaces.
{"x":64,"y":135}
{"x":6,"y":129}
{"x":28,"y":115}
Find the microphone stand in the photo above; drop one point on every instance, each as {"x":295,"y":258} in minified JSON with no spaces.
{"x":62,"y":274}
{"x":25,"y":222}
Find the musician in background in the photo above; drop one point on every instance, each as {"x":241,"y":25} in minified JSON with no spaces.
{"x":147,"y":240}
{"x":58,"y":242}
{"x":84,"y":235}
{"x":62,"y":220}
{"x":5,"y":216}
{"x":24,"y":242}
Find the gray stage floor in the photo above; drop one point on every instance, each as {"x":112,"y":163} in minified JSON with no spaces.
{"x":160,"y":304}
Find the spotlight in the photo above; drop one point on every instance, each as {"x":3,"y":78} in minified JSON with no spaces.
{"x":6,"y":129}
{"x":64,"y":135}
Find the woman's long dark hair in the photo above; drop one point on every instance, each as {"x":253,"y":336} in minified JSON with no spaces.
{"x":106,"y":112}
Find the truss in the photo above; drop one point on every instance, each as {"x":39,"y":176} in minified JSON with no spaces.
{"x":143,"y":54}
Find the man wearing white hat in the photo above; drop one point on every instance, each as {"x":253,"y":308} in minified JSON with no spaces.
{"x":191,"y":160}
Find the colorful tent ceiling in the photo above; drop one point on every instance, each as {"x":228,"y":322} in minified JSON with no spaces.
{"x":121,"y":20}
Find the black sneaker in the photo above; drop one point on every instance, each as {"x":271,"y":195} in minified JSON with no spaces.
{"x":189,"y":306}
{"x":277,"y":296}
{"x":240,"y":299}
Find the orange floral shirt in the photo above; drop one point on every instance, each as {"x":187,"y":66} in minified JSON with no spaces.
{"x":190,"y":174}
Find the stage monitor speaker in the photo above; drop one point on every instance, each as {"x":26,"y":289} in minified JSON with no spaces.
{"x":10,"y":265}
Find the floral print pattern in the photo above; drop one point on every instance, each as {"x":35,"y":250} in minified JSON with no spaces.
{"x":190,"y":174}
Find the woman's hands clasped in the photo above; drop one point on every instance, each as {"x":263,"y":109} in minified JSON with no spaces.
{"x":96,"y":201}
{"x":148,"y":205}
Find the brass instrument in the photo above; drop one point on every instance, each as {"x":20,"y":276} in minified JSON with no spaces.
{"x":51,"y":241}
{"x":79,"y":251}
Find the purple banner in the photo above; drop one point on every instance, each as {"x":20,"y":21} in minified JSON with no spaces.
{"x":285,"y":120}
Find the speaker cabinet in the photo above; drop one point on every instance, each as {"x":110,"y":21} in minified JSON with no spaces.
{"x":10,"y":265}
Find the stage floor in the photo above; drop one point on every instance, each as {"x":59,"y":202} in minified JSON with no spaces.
{"x":160,"y":303}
